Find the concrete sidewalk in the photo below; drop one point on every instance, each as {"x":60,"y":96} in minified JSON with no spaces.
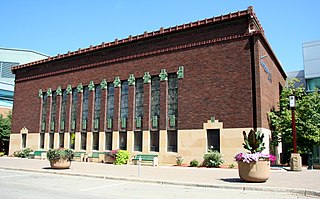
{"x":306,"y":182}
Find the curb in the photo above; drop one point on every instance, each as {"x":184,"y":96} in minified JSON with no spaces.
{"x":303,"y":192}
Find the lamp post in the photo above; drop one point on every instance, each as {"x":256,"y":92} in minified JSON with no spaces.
{"x":295,"y":159}
{"x":292,"y":99}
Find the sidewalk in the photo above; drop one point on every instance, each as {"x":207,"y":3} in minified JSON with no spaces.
{"x":306,"y":182}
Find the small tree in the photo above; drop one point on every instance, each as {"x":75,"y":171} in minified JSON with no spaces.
{"x":5,"y":129}
{"x":307,"y":116}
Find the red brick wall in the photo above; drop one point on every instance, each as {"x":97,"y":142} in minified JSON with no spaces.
{"x":217,"y":79}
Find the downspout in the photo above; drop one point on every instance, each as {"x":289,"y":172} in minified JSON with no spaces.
{"x":253,"y":82}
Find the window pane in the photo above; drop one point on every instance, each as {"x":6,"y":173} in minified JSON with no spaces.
{"x":172,"y":141}
{"x":85,"y":106}
{"x":41,"y":140}
{"x":61,"y":140}
{"x":74,"y":109}
{"x":97,"y":105}
{"x":137,"y":141}
{"x":155,"y":96}
{"x":139,"y":98}
{"x":154,"y":141}
{"x":72,"y":140}
{"x":83,"y":141}
{"x":95,"y":141}
{"x":108,"y":141}
{"x":63,"y":111}
{"x":124,"y":100}
{"x":53,"y":111}
{"x":24,"y":140}
{"x":213,"y":139}
{"x":44,"y":112}
{"x":51,"y":140}
{"x":123,"y":140}
{"x":110,"y":103}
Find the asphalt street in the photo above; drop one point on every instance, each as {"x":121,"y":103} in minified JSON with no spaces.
{"x":25,"y":185}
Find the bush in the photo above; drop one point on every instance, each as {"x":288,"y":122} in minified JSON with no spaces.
{"x":194,"y":163}
{"x":213,"y":159}
{"x":179,"y":160}
{"x":122,"y":157}
{"x":60,"y":154}
{"x":23,"y":153}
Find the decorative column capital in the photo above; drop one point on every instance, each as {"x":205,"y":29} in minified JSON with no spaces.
{"x":180,"y":72}
{"x":117,"y":82}
{"x":49,"y":92}
{"x":91,"y":86}
{"x":163,"y":75}
{"x":104,"y":84}
{"x":80,"y":88}
{"x":131,"y":80}
{"x":59,"y":91}
{"x":69,"y":90}
{"x":147,"y":78}
{"x":40,"y":93}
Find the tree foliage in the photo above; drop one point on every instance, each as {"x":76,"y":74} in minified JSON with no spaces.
{"x":307,"y":115}
{"x":5,"y":129}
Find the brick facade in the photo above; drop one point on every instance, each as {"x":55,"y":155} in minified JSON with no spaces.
{"x":223,"y":75}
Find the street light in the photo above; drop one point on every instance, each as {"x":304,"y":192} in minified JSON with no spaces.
{"x":292,"y":103}
{"x":295,"y":160}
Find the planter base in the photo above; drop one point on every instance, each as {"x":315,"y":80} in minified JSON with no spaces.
{"x":61,"y":164}
{"x":254,"y":171}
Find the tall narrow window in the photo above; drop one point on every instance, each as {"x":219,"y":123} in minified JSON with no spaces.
{"x":72,"y":140}
{"x":172,"y":98}
{"x":44,"y":112}
{"x":41,"y":140}
{"x":51,"y":140}
{"x":110,"y":105}
{"x":138,"y":141}
{"x":24,"y":140}
{"x":155,"y":101}
{"x":139,"y":103}
{"x":155,"y":113}
{"x":154,"y":141}
{"x":85,"y":106}
{"x":123,"y":140}
{"x":108,"y":141}
{"x":53,"y":111}
{"x":97,"y":105}
{"x":63,"y":111}
{"x":83,"y":141}
{"x":172,"y":141}
{"x":172,"y":113}
{"x":74,"y":109}
{"x":213,"y":139}
{"x":95,"y":141}
{"x":61,"y":140}
{"x":124,"y":100}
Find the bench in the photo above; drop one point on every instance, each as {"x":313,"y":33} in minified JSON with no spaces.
{"x":146,"y":158}
{"x":38,"y":154}
{"x":79,"y":156}
{"x":97,"y":156}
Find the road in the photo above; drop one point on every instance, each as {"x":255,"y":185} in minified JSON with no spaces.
{"x":25,"y":185}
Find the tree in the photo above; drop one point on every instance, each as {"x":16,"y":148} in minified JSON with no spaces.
{"x":5,"y":129}
{"x":307,"y":116}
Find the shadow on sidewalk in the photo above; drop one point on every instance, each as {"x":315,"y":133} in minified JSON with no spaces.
{"x":232,"y":180}
{"x":49,"y":168}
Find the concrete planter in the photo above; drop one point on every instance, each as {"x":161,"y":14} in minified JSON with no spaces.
{"x":254,"y":171}
{"x":60,"y":164}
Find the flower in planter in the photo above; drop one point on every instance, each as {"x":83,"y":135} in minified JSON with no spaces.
{"x":254,"y":143}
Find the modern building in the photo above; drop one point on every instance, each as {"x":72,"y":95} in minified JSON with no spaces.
{"x":11,"y":57}
{"x":173,"y":92}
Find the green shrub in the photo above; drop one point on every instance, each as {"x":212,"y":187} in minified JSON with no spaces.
{"x":231,"y":166}
{"x":23,"y":153}
{"x":213,"y":159}
{"x":179,"y":160}
{"x":194,"y":163}
{"x":122,"y":157}
{"x":1,"y":154}
{"x":60,"y":154}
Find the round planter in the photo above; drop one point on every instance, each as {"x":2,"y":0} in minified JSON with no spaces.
{"x":254,"y":171}
{"x":60,"y":164}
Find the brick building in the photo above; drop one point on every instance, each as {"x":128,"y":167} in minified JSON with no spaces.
{"x":173,"y":92}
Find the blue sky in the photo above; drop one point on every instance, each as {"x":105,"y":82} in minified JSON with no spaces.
{"x":57,"y":26}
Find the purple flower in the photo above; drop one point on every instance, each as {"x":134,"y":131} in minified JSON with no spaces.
{"x":254,"y":157}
